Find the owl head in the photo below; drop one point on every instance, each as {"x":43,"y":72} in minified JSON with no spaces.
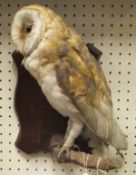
{"x":28,"y":27}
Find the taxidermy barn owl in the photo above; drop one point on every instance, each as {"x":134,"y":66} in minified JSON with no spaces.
{"x":69,"y":76}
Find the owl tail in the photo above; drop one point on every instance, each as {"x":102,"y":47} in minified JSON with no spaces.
{"x":117,"y":139}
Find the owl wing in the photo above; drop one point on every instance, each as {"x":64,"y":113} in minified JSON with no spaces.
{"x":81,"y":78}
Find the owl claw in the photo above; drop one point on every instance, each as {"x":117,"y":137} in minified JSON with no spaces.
{"x":63,"y":154}
{"x":76,"y":147}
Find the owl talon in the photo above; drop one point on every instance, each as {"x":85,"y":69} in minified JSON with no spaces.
{"x":76,"y":147}
{"x":63,"y":155}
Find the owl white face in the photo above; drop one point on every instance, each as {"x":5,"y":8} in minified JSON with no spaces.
{"x":26,"y":30}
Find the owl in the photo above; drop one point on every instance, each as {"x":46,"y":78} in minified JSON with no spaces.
{"x":69,"y":76}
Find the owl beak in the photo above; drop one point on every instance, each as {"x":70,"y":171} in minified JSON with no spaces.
{"x":17,"y":57}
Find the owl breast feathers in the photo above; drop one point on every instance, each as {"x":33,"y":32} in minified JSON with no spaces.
{"x":69,"y":76}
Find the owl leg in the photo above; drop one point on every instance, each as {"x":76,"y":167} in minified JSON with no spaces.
{"x":74,"y":146}
{"x":73,"y":131}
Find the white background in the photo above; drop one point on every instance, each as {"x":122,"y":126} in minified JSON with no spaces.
{"x":111,"y":26}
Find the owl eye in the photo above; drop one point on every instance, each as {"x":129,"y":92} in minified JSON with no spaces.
{"x":28,"y":29}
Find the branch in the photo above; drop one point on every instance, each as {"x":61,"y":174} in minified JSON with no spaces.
{"x":106,"y":163}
